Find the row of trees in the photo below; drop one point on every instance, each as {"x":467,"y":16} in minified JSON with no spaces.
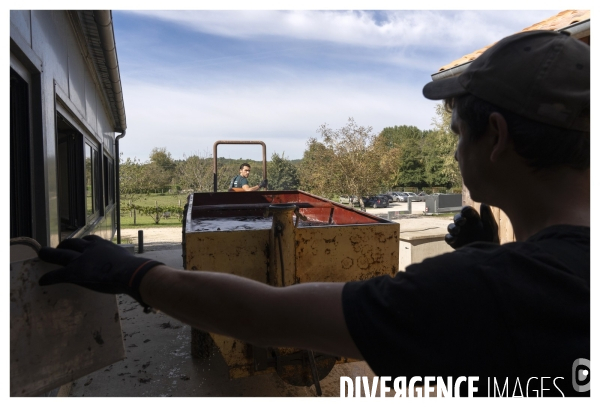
{"x":353,"y":160}
{"x":163,"y":174}
{"x":350,"y":160}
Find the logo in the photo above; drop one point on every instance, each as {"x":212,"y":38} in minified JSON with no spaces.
{"x":581,"y":375}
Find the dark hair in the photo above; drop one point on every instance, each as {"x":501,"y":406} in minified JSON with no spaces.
{"x":244,"y":165}
{"x":542,"y":145}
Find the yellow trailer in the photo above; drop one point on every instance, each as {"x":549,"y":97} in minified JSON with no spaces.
{"x":282,"y":238}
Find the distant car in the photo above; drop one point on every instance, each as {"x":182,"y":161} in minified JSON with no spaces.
{"x":390,"y":197}
{"x":349,"y":199}
{"x":375,"y":202}
{"x":395,"y":195}
{"x":422,"y":193}
{"x":414,"y":197}
{"x":344,"y":199}
{"x":385,"y":198}
{"x":402,"y":196}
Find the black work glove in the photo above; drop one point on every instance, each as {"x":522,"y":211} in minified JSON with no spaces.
{"x":97,"y":264}
{"x":263,"y":183}
{"x":469,"y":227}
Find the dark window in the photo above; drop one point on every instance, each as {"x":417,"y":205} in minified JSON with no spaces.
{"x":93,"y":180}
{"x":20,"y":158}
{"x":71,"y":180}
{"x":109,"y":181}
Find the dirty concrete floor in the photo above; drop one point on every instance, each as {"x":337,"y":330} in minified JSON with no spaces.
{"x":159,"y":362}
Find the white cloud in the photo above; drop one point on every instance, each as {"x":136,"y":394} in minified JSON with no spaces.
{"x":398,"y":29}
{"x":283,"y":105}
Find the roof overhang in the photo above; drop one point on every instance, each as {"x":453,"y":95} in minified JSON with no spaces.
{"x":95,"y":28}
{"x":569,"y":21}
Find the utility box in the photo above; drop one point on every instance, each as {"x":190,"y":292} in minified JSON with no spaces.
{"x":443,"y":203}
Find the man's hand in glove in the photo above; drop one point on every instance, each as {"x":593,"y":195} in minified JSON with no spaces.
{"x":97,"y":264}
{"x":469,"y":227}
{"x":263,"y":183}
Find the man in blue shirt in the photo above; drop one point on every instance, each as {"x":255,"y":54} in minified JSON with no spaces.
{"x":240,"y":182}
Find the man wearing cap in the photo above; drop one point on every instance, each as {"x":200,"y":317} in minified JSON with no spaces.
{"x":516,"y":314}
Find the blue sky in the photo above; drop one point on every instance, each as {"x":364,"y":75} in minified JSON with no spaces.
{"x":193,"y":77}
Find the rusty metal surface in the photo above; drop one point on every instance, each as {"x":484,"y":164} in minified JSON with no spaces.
{"x":346,"y":253}
{"x":282,"y":257}
{"x":243,"y":253}
{"x":297,"y":367}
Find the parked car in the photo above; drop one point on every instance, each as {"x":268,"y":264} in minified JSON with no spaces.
{"x":414,"y":197}
{"x":347,"y":199}
{"x":402,"y":196}
{"x":390,"y":197}
{"x":395,"y":195}
{"x":383,"y":198}
{"x":344,"y":199}
{"x":375,"y":202}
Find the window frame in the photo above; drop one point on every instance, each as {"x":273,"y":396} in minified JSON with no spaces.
{"x":73,"y":173}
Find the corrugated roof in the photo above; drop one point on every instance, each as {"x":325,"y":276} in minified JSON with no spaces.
{"x":561,"y":20}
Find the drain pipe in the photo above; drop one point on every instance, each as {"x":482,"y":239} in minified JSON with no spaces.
{"x":118,"y":185}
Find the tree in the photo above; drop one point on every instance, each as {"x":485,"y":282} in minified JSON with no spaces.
{"x":283,"y":175}
{"x":133,"y":179}
{"x":196,"y":173}
{"x":351,"y":160}
{"x":315,"y":169}
{"x":162,"y":158}
{"x":161,"y":169}
{"x":409,"y":141}
{"x":440,"y":166}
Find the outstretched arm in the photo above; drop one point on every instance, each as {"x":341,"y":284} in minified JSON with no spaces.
{"x":305,"y":315}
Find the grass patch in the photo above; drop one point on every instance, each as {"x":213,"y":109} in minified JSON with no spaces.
{"x":161,"y":200}
{"x":145,"y":221}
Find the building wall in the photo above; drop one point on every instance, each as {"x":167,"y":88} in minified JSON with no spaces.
{"x":49,"y":48}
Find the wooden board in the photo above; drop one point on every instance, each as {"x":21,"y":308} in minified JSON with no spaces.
{"x":57,"y":333}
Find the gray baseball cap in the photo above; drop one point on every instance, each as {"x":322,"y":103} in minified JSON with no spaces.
{"x":542,"y":75}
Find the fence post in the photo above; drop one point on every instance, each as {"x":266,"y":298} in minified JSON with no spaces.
{"x":140,"y":241}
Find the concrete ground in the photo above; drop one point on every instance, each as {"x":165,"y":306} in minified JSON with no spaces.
{"x":159,"y":362}
{"x":158,"y":359}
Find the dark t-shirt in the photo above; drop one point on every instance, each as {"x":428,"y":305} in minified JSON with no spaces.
{"x":239,"y":181}
{"x":518,"y":310}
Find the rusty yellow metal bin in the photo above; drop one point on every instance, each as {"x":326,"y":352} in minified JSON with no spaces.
{"x":282,"y":238}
